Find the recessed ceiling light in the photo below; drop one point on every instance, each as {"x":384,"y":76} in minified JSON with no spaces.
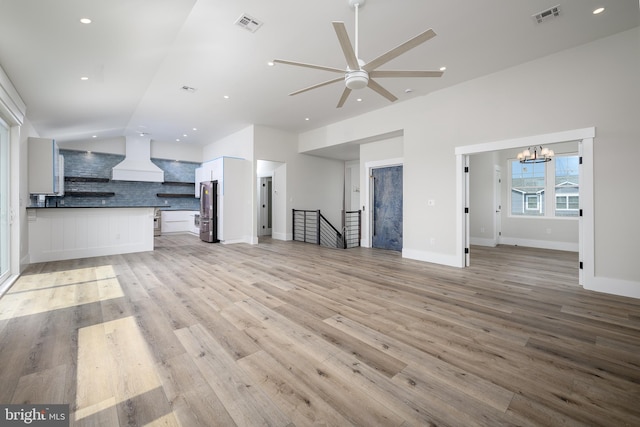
{"x":195,"y":128}
{"x":271,"y":63}
{"x":443,"y":68}
{"x":598,"y":10}
{"x":307,"y":118}
{"x":226,"y":96}
{"x":408,"y":90}
{"x":359,"y":99}
{"x":177,"y":139}
{"x":85,"y":20}
{"x":184,"y":135}
{"x":94,"y":136}
{"x":84,"y":78}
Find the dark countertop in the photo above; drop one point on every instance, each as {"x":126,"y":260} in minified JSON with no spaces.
{"x":97,"y":207}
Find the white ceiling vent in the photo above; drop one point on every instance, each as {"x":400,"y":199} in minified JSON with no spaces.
{"x":546,"y":15}
{"x":248,"y":23}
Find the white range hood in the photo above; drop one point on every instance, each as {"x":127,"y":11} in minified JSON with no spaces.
{"x":137,"y":165}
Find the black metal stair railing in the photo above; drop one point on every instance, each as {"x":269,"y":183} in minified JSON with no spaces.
{"x":310,"y":226}
{"x":305,"y":226}
{"x":351,"y":230}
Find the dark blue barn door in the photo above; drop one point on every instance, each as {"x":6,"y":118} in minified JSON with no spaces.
{"x":387,"y":208}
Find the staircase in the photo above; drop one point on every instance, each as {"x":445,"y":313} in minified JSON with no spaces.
{"x":311,"y":226}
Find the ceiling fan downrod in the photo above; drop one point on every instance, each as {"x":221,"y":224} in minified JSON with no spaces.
{"x":356,"y":79}
{"x":357,"y":6}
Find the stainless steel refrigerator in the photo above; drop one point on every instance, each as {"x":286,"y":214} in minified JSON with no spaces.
{"x":209,"y":211}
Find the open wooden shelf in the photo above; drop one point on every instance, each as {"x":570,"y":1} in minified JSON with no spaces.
{"x":85,"y":179}
{"x":185,"y":184}
{"x":175,"y":195}
{"x":89,"y":194}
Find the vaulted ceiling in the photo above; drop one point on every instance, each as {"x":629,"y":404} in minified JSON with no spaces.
{"x":140,"y":55}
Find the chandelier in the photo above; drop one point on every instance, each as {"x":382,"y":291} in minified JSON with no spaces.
{"x":532,"y":155}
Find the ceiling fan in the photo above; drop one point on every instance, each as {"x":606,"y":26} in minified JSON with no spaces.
{"x":360,"y":74}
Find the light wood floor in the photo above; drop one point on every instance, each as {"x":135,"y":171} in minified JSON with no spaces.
{"x":287,"y":333}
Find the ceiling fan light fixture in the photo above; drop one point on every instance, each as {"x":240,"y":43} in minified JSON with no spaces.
{"x":357,"y":79}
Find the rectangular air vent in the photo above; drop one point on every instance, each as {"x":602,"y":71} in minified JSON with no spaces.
{"x":248,"y":23}
{"x":546,"y":15}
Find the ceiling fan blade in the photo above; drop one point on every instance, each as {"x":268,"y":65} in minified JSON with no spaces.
{"x":302,"y":64}
{"x":405,"y":73}
{"x":382,"y":91}
{"x":345,"y":44}
{"x":328,"y":82}
{"x":344,"y":97}
{"x":399,"y":50}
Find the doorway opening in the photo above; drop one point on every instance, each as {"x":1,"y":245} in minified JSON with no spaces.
{"x":265,"y":216}
{"x":584,"y":138}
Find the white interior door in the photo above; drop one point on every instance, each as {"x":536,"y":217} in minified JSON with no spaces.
{"x":266,"y":212}
{"x":498,"y":205}
{"x":467,"y":222}
{"x":5,"y":235}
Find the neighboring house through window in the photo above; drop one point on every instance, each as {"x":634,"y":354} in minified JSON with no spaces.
{"x":535,"y":185}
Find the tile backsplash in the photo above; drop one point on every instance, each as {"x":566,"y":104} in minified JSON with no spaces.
{"x":80,"y":164}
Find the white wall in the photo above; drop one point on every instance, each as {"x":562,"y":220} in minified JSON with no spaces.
{"x":597,"y":84}
{"x":312,"y":182}
{"x":352,"y":185}
{"x":103,"y":145}
{"x":239,"y":144}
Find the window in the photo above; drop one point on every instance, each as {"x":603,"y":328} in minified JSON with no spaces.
{"x":533,"y":202}
{"x":567,"y":179}
{"x":527,"y":188}
{"x":537,"y":185}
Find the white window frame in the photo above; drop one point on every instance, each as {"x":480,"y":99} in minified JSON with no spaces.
{"x":549,"y":193}
{"x":526,"y":202}
{"x":566,"y":197}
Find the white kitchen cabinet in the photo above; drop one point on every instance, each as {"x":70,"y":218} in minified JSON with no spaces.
{"x":235,"y":195}
{"x":194,"y":227}
{"x":46,"y":167}
{"x":174,"y":221}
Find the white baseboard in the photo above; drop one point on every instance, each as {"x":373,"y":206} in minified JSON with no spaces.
{"x":233,"y":241}
{"x":478,"y":241}
{"x":542,"y":244}
{"x":437,"y":258}
{"x":625,"y":288}
{"x":281,"y":236}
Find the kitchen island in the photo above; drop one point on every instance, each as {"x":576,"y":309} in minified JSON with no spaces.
{"x":61,"y":233}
